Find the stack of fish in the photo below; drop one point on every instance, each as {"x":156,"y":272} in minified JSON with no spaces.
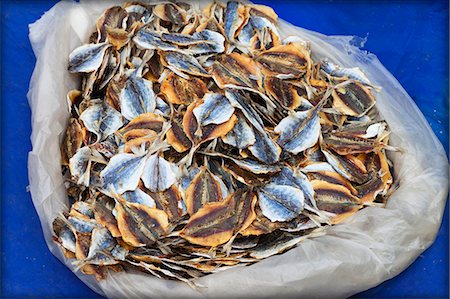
{"x":201,"y":140}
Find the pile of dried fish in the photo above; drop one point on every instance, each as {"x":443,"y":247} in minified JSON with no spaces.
{"x":200,"y":140}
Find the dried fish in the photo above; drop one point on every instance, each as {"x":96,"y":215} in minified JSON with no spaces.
{"x":123,"y":172}
{"x":200,"y":139}
{"x":214,"y":109}
{"x":290,"y":60}
{"x":242,"y":135}
{"x":137,"y":97}
{"x":352,"y":99}
{"x":182,"y":91}
{"x":204,"y":188}
{"x":158,"y":174}
{"x":102,"y":120}
{"x":280,"y":202}
{"x":183,"y":64}
{"x":87,"y":58}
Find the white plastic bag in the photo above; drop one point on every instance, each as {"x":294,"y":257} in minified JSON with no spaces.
{"x":368,"y":248}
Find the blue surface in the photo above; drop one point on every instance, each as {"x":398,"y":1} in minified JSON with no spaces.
{"x":409,"y":37}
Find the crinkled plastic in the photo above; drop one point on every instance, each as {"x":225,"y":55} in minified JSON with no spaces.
{"x":368,"y":248}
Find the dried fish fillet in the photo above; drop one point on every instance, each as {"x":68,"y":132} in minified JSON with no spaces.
{"x":137,"y":97}
{"x":87,"y":58}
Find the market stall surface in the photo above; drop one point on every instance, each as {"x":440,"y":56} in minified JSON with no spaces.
{"x":409,"y":37}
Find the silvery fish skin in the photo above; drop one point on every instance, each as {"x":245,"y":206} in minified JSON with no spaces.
{"x":242,"y":135}
{"x":280,"y":202}
{"x":237,"y":100}
{"x":158,"y":174}
{"x":137,"y":97}
{"x":140,"y":197}
{"x":299,"y":131}
{"x":233,"y":19}
{"x":123,"y":172}
{"x":295,"y":179}
{"x":215,"y":109}
{"x":82,"y":225}
{"x":265,"y":149}
{"x":87,"y":58}
{"x":352,"y":73}
{"x":80,"y":165}
{"x":211,"y":42}
{"x":101,"y":119}
{"x":147,"y":39}
{"x":183,"y":63}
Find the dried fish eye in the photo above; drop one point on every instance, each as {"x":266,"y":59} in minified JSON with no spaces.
{"x":201,"y":140}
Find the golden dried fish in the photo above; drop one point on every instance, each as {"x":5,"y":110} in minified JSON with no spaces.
{"x":216,"y":223}
{"x":182,"y":91}
{"x":335,"y":199}
{"x":290,"y":60}
{"x":323,"y":171}
{"x":149,"y":121}
{"x":236,"y":70}
{"x":283,"y":92}
{"x":170,"y":201}
{"x":348,"y":166}
{"x":73,"y":140}
{"x":140,"y":225}
{"x":352,"y":99}
{"x":171,"y":12}
{"x":203,"y":189}
{"x":103,"y":213}
{"x":112,"y":18}
{"x":176,"y":137}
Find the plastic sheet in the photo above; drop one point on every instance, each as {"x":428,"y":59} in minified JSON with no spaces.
{"x":368,"y":248}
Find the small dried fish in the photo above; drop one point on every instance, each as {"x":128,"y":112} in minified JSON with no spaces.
{"x":182,"y":91}
{"x":280,"y":202}
{"x":87,"y":58}
{"x":204,"y":188}
{"x":183,"y":64}
{"x":102,"y":120}
{"x":123,"y":172}
{"x":352,"y":99}
{"x":290,"y":60}
{"x":242,"y":135}
{"x":158,"y":174}
{"x":214,"y":109}
{"x":137,"y":97}
{"x":299,"y":131}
